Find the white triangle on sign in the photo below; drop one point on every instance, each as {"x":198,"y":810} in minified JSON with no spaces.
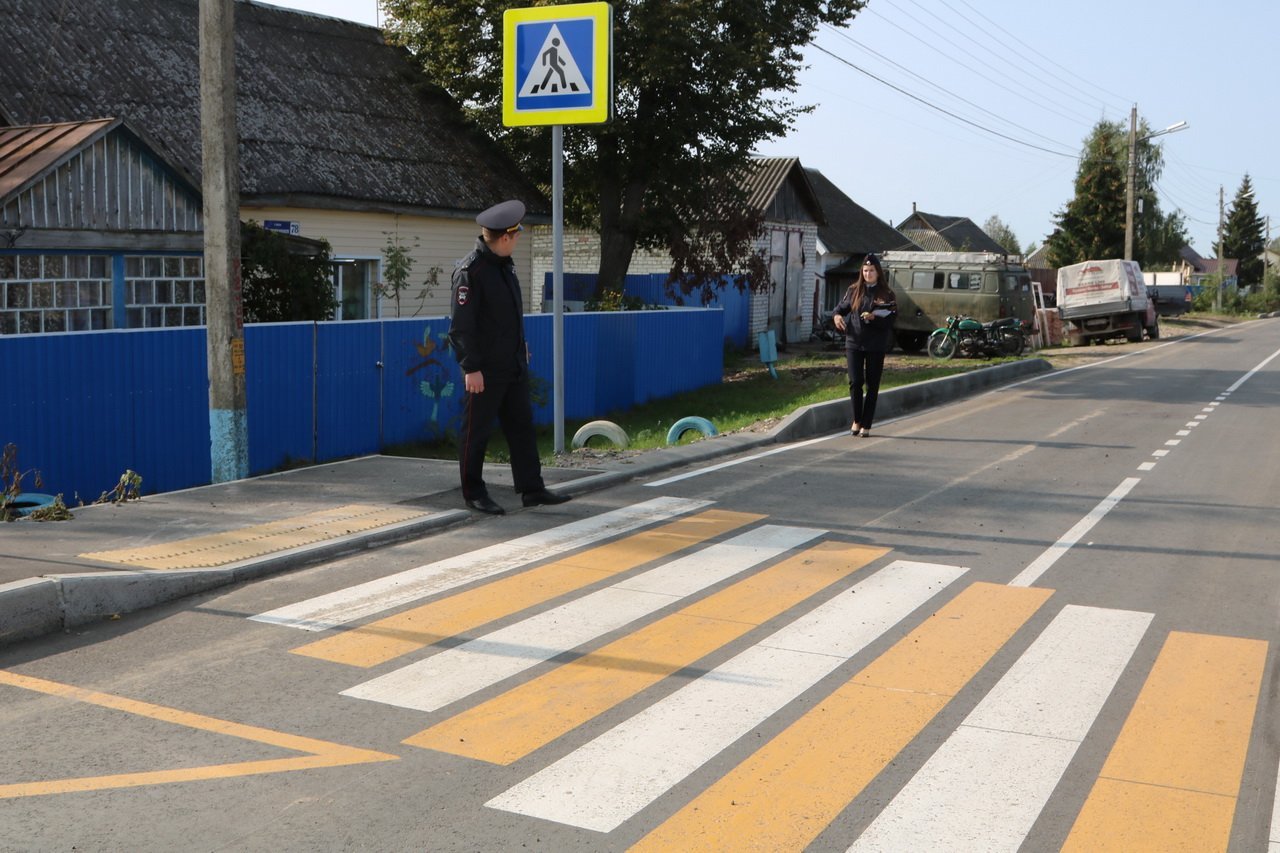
{"x":554,"y":72}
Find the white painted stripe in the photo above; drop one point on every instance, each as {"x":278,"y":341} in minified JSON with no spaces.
{"x":708,"y":469}
{"x":432,"y":683}
{"x":1275,"y":819}
{"x":608,"y":780}
{"x":1146,"y":466}
{"x":1041,"y":564}
{"x":1208,"y":409}
{"x":1256,"y":368}
{"x":1173,"y":442}
{"x":1201,"y":417}
{"x":357,"y":602}
{"x":1160,"y":453}
{"x":1183,"y":432}
{"x":1193,"y":424}
{"x":988,"y":782}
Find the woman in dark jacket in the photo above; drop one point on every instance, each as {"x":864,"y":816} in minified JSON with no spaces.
{"x":865,"y":315}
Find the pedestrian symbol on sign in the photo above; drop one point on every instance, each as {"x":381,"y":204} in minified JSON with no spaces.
{"x":555,"y":72}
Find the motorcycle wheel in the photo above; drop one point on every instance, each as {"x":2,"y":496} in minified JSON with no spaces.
{"x":942,"y":346}
{"x":1012,"y":343}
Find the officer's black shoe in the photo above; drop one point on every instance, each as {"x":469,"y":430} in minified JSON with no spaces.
{"x":543,"y":497}
{"x":486,"y":504}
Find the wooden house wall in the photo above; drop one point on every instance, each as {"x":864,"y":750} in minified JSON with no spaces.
{"x":431,"y":241}
{"x":111,"y":185}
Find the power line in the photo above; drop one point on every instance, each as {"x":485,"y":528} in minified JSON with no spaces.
{"x":1021,"y":95}
{"x":938,"y":108}
{"x":1121,"y":99}
{"x":942,"y":89}
{"x":1001,"y":53}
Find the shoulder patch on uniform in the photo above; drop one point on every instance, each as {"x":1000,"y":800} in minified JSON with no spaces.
{"x":463,"y":290}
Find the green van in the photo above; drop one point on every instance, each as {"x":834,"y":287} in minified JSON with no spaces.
{"x":930,"y":286}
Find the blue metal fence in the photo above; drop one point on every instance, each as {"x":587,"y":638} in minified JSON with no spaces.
{"x":83,"y":407}
{"x":652,"y":290}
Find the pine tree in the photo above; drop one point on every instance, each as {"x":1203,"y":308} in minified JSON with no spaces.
{"x":1242,"y":235}
{"x":1092,"y":223}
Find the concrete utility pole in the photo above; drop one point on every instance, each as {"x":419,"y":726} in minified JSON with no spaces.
{"x":1131,"y":178}
{"x":224,"y":311}
{"x":1217,"y":293}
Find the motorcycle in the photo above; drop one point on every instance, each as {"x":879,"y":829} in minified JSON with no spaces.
{"x":965,"y":336}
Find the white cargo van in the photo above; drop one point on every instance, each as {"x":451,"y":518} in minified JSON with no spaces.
{"x":1105,"y":299}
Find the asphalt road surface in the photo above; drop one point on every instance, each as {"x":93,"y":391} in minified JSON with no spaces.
{"x":1043,"y":618}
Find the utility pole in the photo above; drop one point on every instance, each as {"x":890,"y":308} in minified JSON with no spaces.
{"x":1217,"y":293}
{"x":220,"y":187}
{"x":1131,"y":178}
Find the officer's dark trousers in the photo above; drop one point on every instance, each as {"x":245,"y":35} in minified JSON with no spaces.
{"x":864,"y":368}
{"x":507,"y":402}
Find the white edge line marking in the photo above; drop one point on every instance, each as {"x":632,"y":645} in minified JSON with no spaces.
{"x":1041,"y":564}
{"x":711,"y":468}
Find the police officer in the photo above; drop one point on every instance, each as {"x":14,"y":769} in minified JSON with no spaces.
{"x":487,"y":334}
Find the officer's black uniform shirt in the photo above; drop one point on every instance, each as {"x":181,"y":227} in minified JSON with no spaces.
{"x":487,"y":327}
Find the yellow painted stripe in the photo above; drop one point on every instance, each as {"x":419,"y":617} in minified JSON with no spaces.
{"x":385,"y":639}
{"x":785,"y":794}
{"x":526,"y":718}
{"x":1173,"y":776}
{"x":232,"y":546}
{"x":320,"y":753}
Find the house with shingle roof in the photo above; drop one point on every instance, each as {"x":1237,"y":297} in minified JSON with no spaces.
{"x":850,"y":233}
{"x":780,"y":189}
{"x":935,"y":233}
{"x":340,"y":136}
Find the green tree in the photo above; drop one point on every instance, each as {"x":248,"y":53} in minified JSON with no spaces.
{"x":698,"y":84}
{"x":284,"y":278}
{"x":1242,"y":235}
{"x":995,"y":228}
{"x":1091,"y":225}
{"x":397,"y":266}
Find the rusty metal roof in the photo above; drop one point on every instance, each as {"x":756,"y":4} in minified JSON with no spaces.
{"x":27,"y":152}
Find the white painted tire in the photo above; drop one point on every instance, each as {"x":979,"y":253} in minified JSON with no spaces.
{"x":607,"y":429}
{"x":683,"y":425}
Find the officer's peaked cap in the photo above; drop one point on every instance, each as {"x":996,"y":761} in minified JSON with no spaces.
{"x":502,"y":216}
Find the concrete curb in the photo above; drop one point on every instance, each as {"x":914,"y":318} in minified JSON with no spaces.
{"x":835,"y":415}
{"x":58,"y":602}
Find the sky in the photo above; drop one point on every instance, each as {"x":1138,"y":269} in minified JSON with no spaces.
{"x":981,"y":107}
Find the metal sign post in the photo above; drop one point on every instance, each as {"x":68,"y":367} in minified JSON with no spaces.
{"x":557,"y":70}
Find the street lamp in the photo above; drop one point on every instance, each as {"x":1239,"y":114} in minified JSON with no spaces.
{"x":1132,"y":174}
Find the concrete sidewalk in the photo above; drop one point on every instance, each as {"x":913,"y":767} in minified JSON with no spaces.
{"x":115,"y":559}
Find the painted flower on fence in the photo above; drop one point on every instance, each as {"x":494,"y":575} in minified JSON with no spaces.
{"x":439,"y":382}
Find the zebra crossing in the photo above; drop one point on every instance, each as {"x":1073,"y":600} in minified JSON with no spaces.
{"x":598,"y":612}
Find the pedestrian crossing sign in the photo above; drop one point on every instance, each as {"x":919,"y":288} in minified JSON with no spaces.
{"x":557,"y":65}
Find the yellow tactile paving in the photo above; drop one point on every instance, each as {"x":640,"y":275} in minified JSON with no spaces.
{"x":393,"y":636}
{"x":783,"y":796}
{"x":243,"y":543}
{"x":1173,"y":777}
{"x":317,"y":753}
